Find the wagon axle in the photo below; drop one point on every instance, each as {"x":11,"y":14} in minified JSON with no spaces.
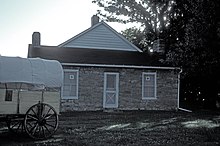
{"x":42,"y":122}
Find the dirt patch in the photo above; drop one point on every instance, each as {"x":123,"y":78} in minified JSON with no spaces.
{"x":135,"y":128}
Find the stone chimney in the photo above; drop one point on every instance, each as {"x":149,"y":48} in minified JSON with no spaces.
{"x":158,"y":46}
{"x":94,"y":20}
{"x":36,"y":39}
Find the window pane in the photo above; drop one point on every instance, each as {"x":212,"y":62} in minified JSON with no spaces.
{"x":66,"y":90}
{"x":70,"y":77}
{"x":149,"y":91}
{"x":149,"y":81}
{"x":111,"y":82}
{"x":70,"y":84}
{"x":8,"y":95}
{"x":73,"y":90}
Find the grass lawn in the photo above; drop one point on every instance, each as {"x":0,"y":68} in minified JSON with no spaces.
{"x":135,"y":128}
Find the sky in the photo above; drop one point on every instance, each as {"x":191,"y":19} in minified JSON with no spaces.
{"x":56,"y":20}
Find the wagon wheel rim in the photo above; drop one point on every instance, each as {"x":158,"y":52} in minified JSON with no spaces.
{"x":41,"y":121}
{"x":16,"y":124}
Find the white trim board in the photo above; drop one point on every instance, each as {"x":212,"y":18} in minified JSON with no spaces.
{"x":120,"y":66}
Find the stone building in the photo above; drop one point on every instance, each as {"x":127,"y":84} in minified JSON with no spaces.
{"x":103,"y":70}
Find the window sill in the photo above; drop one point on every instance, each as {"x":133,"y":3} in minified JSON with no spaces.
{"x":149,"y":98}
{"x":69,"y":97}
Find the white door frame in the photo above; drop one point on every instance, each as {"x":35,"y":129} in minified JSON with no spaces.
{"x":116,"y":91}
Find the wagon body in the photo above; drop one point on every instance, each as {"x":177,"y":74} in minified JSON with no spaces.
{"x":30,"y":94}
{"x":27,"y":98}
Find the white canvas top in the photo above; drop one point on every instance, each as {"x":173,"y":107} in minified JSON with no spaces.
{"x":29,"y":73}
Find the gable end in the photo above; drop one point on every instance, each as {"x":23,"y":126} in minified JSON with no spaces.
{"x":100,"y":36}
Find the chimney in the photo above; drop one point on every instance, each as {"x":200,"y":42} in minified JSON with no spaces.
{"x":36,"y":39}
{"x":94,"y":20}
{"x":159,"y":46}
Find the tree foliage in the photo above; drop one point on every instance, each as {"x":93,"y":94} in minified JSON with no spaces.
{"x":192,"y":34}
{"x":152,"y":15}
{"x":137,"y":37}
{"x":193,"y":44}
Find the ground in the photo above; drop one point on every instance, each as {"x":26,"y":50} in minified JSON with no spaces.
{"x":130,"y":128}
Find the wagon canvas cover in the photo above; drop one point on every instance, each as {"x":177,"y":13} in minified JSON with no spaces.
{"x":30,"y":73}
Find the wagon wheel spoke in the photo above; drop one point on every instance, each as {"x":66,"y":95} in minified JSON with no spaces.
{"x":39,"y":131}
{"x":16,"y":124}
{"x":34,"y":111}
{"x":19,"y":126}
{"x":33,"y":130}
{"x":32,"y":117}
{"x":50,"y":120}
{"x":15,"y":127}
{"x":31,"y":127}
{"x":50,"y":125}
{"x":29,"y":124}
{"x":43,"y":111}
{"x":47,"y":129}
{"x":41,"y":121}
{"x":43,"y":131}
{"x":48,"y":117}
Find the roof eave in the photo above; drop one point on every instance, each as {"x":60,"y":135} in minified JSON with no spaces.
{"x":120,"y":66}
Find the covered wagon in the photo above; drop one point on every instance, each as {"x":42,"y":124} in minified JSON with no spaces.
{"x":30,"y":95}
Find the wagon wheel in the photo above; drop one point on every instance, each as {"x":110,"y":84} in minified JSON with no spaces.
{"x":41,"y":121}
{"x":15,"y":124}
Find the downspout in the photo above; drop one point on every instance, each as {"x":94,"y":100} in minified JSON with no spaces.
{"x":178,"y":94}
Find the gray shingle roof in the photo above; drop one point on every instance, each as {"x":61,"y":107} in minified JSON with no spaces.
{"x":93,"y":56}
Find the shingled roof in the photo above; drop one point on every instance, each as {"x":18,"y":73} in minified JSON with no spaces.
{"x":93,"y":56}
{"x":99,"y":45}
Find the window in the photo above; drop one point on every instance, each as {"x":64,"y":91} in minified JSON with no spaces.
{"x":8,"y":95}
{"x":149,"y":85}
{"x":70,"y":84}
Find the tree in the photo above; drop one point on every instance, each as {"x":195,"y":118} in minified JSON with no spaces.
{"x":195,"y":46}
{"x":194,"y":29}
{"x":138,"y":38}
{"x":153,"y":15}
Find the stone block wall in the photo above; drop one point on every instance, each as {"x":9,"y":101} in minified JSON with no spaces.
{"x":91,"y":88}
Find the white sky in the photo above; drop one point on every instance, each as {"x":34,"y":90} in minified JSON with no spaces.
{"x":56,"y":20}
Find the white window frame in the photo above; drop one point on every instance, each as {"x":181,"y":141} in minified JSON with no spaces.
{"x":144,"y":74}
{"x":77,"y":84}
{"x":117,"y":89}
